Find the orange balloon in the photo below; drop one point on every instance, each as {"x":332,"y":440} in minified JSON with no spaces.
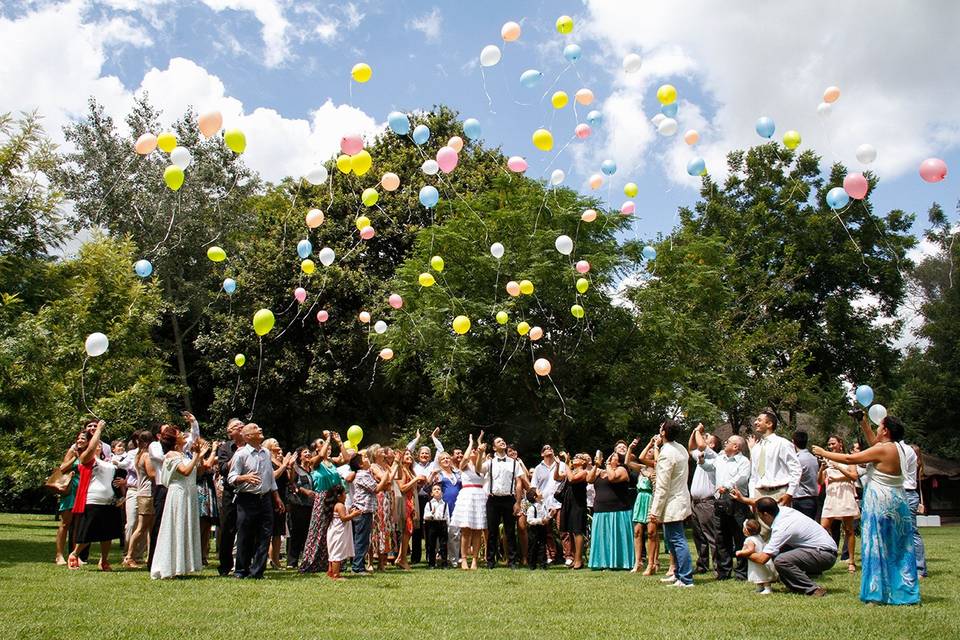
{"x":510,"y":31}
{"x":210,"y":123}
{"x":589,"y":215}
{"x":145,"y":144}
{"x":596,"y":181}
{"x":584,"y":96}
{"x":390,"y":181}
{"x":542,"y":367}
{"x":832,"y":94}
{"x":536,"y":333}
{"x":691,"y":137}
{"x":513,"y":288}
{"x":455,"y":143}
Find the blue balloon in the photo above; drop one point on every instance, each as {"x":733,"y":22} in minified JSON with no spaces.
{"x":696,"y":166}
{"x":670,"y":110}
{"x":530,"y":78}
{"x":609,"y":167}
{"x":765,"y":127}
{"x":572,"y":52}
{"x":304,"y":249}
{"x":229,"y":285}
{"x":864,"y":395}
{"x":143,"y":268}
{"x":837,"y":198}
{"x":649,"y":253}
{"x":471,"y":128}
{"x":399,"y":123}
{"x":594,"y":118}
{"x":429,"y":196}
{"x":421,"y":134}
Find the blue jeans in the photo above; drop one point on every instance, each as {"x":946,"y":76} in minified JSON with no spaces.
{"x":913,"y":498}
{"x":362,"y":526}
{"x":677,"y":544}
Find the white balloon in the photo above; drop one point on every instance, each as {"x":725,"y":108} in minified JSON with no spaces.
{"x":564,"y":245}
{"x":557,"y":176}
{"x":657,"y":119}
{"x":489,"y":56}
{"x":96,"y":344}
{"x":317,"y":175}
{"x":877,"y":413}
{"x":181,"y":157}
{"x":866,"y":153}
{"x":632,"y":63}
{"x":496,"y":250}
{"x":667,"y":127}
{"x":327,"y":256}
{"x":380,"y":326}
{"x":430,"y":167}
{"x":824,"y":109}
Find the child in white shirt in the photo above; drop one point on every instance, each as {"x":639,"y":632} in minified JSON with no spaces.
{"x":436,"y":514}
{"x":538,"y":519}
{"x":760,"y":574}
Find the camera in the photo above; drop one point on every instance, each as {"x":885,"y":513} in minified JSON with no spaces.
{"x":856,"y":414}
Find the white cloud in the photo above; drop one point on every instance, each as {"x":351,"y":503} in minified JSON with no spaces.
{"x":429,"y":24}
{"x":274,"y":25}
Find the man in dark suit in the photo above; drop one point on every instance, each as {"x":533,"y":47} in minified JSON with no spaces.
{"x":227,"y":532}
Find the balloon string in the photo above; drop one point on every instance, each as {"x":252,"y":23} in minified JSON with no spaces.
{"x":120,"y":173}
{"x":173,"y":216}
{"x":506,"y":336}
{"x":555,"y":81}
{"x":559,"y":395}
{"x":533,"y":361}
{"x":562,"y":149}
{"x":295,"y":317}
{"x":453,"y":355}
{"x":309,"y":311}
{"x":257,"y":388}
{"x":83,"y":392}
{"x":235,"y":390}
{"x":496,"y":286}
{"x":519,"y":340}
{"x":483,"y":80}
{"x":849,"y":235}
{"x":373,"y":376}
{"x":216,"y":209}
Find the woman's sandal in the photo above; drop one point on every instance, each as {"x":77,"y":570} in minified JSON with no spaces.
{"x":73,"y":562}
{"x":851,"y":567}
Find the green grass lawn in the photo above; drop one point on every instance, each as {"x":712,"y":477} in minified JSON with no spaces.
{"x":41,"y":600}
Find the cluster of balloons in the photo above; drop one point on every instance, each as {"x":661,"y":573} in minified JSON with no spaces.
{"x":353,"y":157}
{"x":864,"y":396}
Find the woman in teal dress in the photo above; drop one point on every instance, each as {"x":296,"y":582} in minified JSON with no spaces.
{"x":643,"y":467}
{"x":65,"y":504}
{"x":611,"y":546}
{"x":325,"y":477}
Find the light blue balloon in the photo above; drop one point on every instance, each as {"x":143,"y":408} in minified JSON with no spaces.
{"x":572,"y":52}
{"x":143,"y":268}
{"x":304,"y":249}
{"x":649,"y":253}
{"x":471,"y":128}
{"x":530,"y":78}
{"x":670,"y":110}
{"x":696,"y":166}
{"x":594,"y":118}
{"x":421,"y":134}
{"x":609,"y":167}
{"x":429,"y":196}
{"x":864,"y":395}
{"x":229,"y":285}
{"x":765,"y":127}
{"x":837,"y":198}
{"x":399,"y":123}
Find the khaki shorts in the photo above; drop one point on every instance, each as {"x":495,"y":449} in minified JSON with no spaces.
{"x":145,"y":505}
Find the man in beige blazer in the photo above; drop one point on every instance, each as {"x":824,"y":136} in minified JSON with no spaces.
{"x":671,"y":502}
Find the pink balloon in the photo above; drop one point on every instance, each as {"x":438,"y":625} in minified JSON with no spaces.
{"x":583,"y":131}
{"x":210,"y":123}
{"x":513,"y":288}
{"x":395,"y":300}
{"x":583,"y":266}
{"x":517,"y":164}
{"x":535,"y":333}
{"x":584,"y":96}
{"x":447,"y":159}
{"x":455,"y":143}
{"x":933,"y":170}
{"x":596,"y":181}
{"x":367,"y":232}
{"x":542,"y":367}
{"x":322,"y":316}
{"x":364,"y":317}
{"x":628,"y":208}
{"x":351,"y":144}
{"x":145,"y":144}
{"x":856,"y":186}
{"x":300,"y":294}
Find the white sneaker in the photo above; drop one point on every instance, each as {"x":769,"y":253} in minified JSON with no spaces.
{"x":684,"y":585}
{"x":568,"y":562}
{"x":766,"y":592}
{"x":669,"y":579}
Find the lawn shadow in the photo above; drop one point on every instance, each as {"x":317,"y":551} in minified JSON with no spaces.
{"x":19,"y":552}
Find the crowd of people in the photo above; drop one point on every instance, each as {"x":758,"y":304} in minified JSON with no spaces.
{"x":762,"y":509}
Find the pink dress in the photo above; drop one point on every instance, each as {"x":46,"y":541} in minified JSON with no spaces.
{"x":339,"y":539}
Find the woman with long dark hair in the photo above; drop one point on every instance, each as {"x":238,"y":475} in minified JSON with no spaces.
{"x":99,"y":518}
{"x":573,"y":510}
{"x":145,"y":475}
{"x":324,"y":477}
{"x":71,"y":461}
{"x":840,"y":502}
{"x":409,"y":515}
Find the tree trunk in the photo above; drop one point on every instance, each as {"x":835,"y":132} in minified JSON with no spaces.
{"x":181,"y":363}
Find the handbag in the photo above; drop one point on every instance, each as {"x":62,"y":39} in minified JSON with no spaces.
{"x":59,"y":482}
{"x":560,"y":492}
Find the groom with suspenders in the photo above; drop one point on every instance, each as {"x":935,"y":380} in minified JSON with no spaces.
{"x":503,"y":502}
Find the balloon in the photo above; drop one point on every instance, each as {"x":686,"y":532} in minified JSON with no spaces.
{"x":667,"y":94}
{"x":582,"y":131}
{"x":471,"y":128}
{"x":355,"y":434}
{"x":632,"y":63}
{"x":317,"y":175}
{"x":933,"y":170}
{"x":583,"y":96}
{"x":535,"y":333}
{"x":564,"y":25}
{"x":543,"y":140}
{"x":557,"y":176}
{"x":856,"y":185}
{"x":362,"y":222}
{"x":837,"y":198}
{"x":386,"y":353}
{"x":831,"y":94}
{"x":631,"y":189}
{"x":696,"y":166}
{"x":589,"y":215}
{"x":145,"y":144}
{"x":649,"y":253}
{"x":866,"y":153}
{"x":582,"y":285}
{"x":583,"y":266}
{"x":596,"y":181}
{"x":496,"y":250}
{"x":344,"y":163}
{"x":447,"y":159}
{"x":510,"y":31}
{"x":304,"y":248}
{"x":517,"y":164}
{"x":361,"y":72}
{"x":300,"y":294}
{"x":489,"y":55}
{"x":426,"y":280}
{"x":236,"y":140}
{"x":326,"y":256}
{"x":390,"y":182}
{"x":526,"y":287}
{"x":559,"y":99}
{"x":436,"y":263}
{"x":143,"y":268}
{"x":429,"y":196}
{"x":577,"y":311}
{"x":461,"y":324}
{"x":229,"y":286}
{"x":564,"y":244}
{"x":542,"y":367}
{"x":670,"y":110}
{"x":308,"y":266}
{"x":380,"y":327}
{"x":765,"y":127}
{"x":455,"y":143}
{"x":96,"y":344}
{"x":351,"y":144}
{"x":523,"y":328}
{"x":395,"y":300}
{"x":667,"y":127}
{"x":430,"y":167}
{"x":594,"y":118}
{"x":657,"y":119}
{"x":864,"y":395}
{"x":240,"y":359}
{"x":216,"y":254}
{"x":691,"y":137}
{"x":628,"y":208}
{"x":173,"y":176}
{"x":314,"y":218}
{"x":824,"y":109}
{"x":608,"y":167}
{"x":791,"y":139}
{"x":399,"y":123}
{"x":530,"y":78}
{"x":877,"y":413}
{"x":364,"y":317}
{"x":572,"y":52}
{"x":361,"y":162}
{"x":322,"y":316}
{"x":210,"y":122}
{"x":367,"y":232}
{"x":369,"y":197}
{"x":513,"y":288}
{"x":263,"y":321}
{"x":421,"y":133}
{"x":502,"y":317}
{"x":167,"y":141}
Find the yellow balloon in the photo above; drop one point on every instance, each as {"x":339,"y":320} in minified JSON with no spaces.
{"x":630,"y":189}
{"x":667,"y":94}
{"x":523,"y":328}
{"x":361,"y":72}
{"x":369,"y":196}
{"x":173,"y":176}
{"x":361,"y":162}
{"x":308,"y":266}
{"x":502,"y":317}
{"x":582,"y":285}
{"x":167,"y":141}
{"x":235,"y":140}
{"x":559,"y":99}
{"x":426,"y":280}
{"x":240,"y":359}
{"x":543,"y":140}
{"x":436,"y":263}
{"x":362,"y":222}
{"x":216,"y":254}
{"x":577,"y":311}
{"x":344,"y":163}
{"x":565,"y":24}
{"x":791,"y":139}
{"x":263,"y":321}
{"x":526,"y":287}
{"x":461,"y":324}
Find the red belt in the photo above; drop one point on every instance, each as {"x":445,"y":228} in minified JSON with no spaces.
{"x":472,"y":486}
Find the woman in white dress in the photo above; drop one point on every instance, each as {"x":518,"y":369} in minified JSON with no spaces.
{"x":470,"y":512}
{"x":840,"y":502}
{"x":178,"y":542}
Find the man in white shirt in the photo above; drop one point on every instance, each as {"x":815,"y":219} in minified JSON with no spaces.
{"x":702,"y":489}
{"x":504,"y":490}
{"x":423,"y":466}
{"x":732,"y":471}
{"x":545,"y":482}
{"x":774,"y":467}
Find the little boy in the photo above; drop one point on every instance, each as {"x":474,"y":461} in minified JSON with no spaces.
{"x":435,"y":517}
{"x":538,"y":519}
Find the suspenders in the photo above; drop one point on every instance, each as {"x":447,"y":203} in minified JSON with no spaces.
{"x":513,"y":476}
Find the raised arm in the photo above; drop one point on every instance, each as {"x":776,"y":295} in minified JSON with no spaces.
{"x":68,"y":458}
{"x":867,"y":430}
{"x":466,"y":455}
{"x":93,"y":445}
{"x":194,"y":434}
{"x":436,"y":444}
{"x":412,"y":445}
{"x":874,"y":454}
